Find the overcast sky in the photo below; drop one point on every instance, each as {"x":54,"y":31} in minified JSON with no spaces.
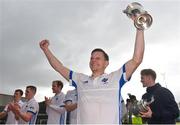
{"x":74,"y":28}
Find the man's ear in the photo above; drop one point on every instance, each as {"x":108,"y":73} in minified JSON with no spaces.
{"x":107,"y":63}
{"x":149,"y":77}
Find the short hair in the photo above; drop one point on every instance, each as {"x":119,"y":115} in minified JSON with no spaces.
{"x":104,"y":53}
{"x":58,"y":83}
{"x":33,"y":88}
{"x":149,"y":72}
{"x":20,"y":91}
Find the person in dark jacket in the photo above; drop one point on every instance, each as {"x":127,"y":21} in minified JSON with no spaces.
{"x":164,"y":109}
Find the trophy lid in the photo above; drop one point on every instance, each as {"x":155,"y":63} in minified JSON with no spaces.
{"x":133,"y":8}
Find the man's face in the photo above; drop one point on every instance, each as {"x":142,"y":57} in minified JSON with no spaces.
{"x":55,"y":88}
{"x":145,"y":80}
{"x":98,"y":62}
{"x":29,"y":93}
{"x":17,"y":96}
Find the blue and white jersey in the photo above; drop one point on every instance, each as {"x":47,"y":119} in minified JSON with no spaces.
{"x":99,"y":99}
{"x":11,"y":117}
{"x":56,"y":110}
{"x":71,"y":98}
{"x":32,"y":107}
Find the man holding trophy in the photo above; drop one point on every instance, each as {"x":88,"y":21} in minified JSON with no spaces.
{"x":99,"y":95}
{"x":162,"y":107}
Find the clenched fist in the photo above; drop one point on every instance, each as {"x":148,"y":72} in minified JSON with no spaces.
{"x":44,"y":44}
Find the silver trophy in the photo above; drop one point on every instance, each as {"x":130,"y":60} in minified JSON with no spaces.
{"x":141,"y":106}
{"x":143,"y":20}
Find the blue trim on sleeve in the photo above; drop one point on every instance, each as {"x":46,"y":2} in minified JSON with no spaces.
{"x":68,"y":100}
{"x":70,"y":77}
{"x":74,"y":84}
{"x":121,"y":81}
{"x":34,"y":113}
{"x":124,"y":68}
{"x":62,"y":106}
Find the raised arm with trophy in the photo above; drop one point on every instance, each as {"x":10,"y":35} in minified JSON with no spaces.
{"x":143,"y":20}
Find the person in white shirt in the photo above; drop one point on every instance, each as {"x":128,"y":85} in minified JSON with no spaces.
{"x":29,"y":111}
{"x":55,"y":105}
{"x":11,"y":117}
{"x":99,"y":95}
{"x":71,"y":106}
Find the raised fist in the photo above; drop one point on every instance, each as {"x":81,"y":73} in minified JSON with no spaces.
{"x":44,"y":44}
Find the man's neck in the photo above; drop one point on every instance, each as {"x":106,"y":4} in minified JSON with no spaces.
{"x":96,"y":74}
{"x":30,"y":98}
{"x":57,"y":93}
{"x":16,"y":100}
{"x":152,"y":84}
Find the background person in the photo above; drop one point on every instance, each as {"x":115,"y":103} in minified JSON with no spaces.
{"x":71,"y":106}
{"x":29,"y":111}
{"x":164,"y":109}
{"x":11,"y":117}
{"x":55,"y":105}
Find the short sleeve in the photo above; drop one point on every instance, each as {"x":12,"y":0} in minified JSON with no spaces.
{"x":32,"y":108}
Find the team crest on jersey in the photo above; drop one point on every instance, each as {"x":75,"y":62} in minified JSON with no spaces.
{"x":104,"y":80}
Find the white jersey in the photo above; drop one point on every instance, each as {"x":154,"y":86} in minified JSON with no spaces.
{"x":56,"y":110}
{"x":71,"y":98}
{"x":31,"y":106}
{"x":99,"y":99}
{"x":11,"y":117}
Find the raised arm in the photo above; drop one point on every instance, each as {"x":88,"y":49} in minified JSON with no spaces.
{"x":54,"y":62}
{"x":137,"y":58}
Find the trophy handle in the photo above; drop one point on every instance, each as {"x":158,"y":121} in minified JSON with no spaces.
{"x":144,"y":21}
